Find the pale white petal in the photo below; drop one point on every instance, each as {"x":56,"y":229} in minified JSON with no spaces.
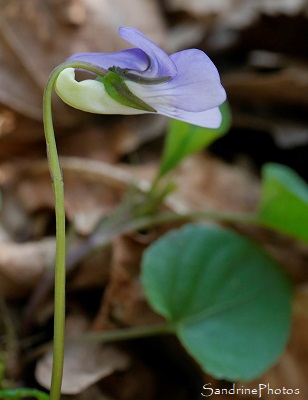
{"x":89,"y":95}
{"x":208,"y":119}
{"x":154,"y":96}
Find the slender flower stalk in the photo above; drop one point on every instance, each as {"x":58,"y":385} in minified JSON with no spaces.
{"x":58,"y":190}
{"x":145,"y":79}
{"x":59,"y":294}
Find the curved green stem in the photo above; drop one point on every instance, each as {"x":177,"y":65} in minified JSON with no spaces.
{"x":58,"y":190}
{"x":149,"y":221}
{"x":126,"y":333}
{"x":15,"y":394}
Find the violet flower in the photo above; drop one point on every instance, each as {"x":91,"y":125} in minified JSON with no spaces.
{"x":184,"y":86}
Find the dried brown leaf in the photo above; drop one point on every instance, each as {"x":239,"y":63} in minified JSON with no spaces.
{"x":208,"y":183}
{"x":94,"y":271}
{"x":288,"y":87}
{"x":199,"y":8}
{"x":110,"y":142}
{"x":275,"y":101}
{"x":124,"y":299}
{"x":22,"y":265}
{"x":241,"y":12}
{"x":87,"y":197}
{"x":84,"y":364}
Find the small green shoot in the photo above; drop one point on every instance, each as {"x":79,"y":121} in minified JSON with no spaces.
{"x":184,"y":139}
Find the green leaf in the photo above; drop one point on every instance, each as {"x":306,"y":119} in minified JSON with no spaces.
{"x":117,"y":89}
{"x":184,"y":139}
{"x":229,"y":303}
{"x":284,"y":201}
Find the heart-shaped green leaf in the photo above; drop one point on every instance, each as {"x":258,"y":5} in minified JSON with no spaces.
{"x":284,"y":201}
{"x":184,"y":139}
{"x":228,"y":302}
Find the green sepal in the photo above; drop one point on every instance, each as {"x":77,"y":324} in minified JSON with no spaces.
{"x":117,"y":89}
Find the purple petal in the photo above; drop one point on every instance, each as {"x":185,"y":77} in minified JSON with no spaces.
{"x":134,"y":59}
{"x":196,"y":87}
{"x":148,"y":59}
{"x":161,"y":64}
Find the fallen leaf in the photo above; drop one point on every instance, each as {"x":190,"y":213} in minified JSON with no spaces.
{"x":288,"y":87}
{"x":242,"y":12}
{"x":112,"y":140}
{"x":84,"y":363}
{"x":200,"y":8}
{"x":124,"y":300}
{"x":205,"y":182}
{"x":93,"y":272}
{"x":87,"y":197}
{"x":22,"y":265}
